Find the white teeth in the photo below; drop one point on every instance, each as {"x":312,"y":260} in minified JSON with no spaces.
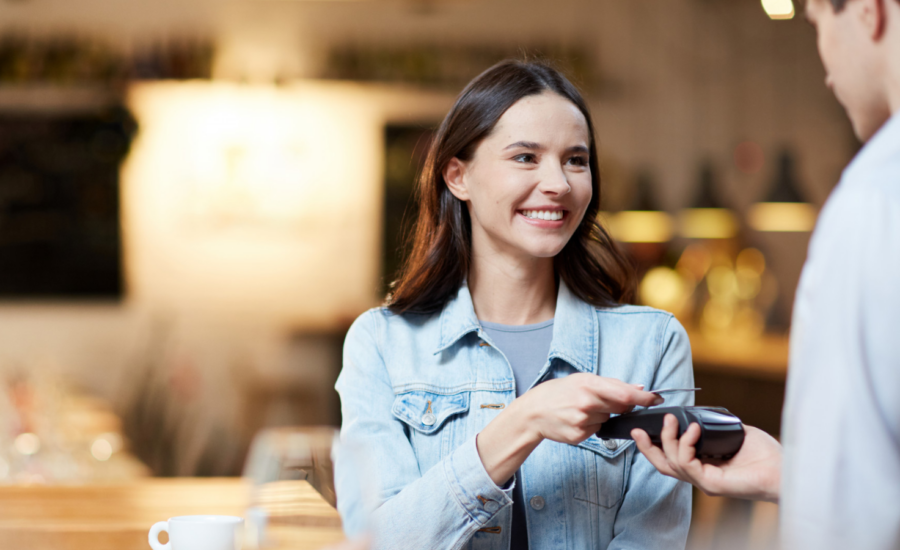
{"x":550,"y":215}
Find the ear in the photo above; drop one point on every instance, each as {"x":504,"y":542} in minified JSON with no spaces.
{"x":455,"y":177}
{"x":872,"y":15}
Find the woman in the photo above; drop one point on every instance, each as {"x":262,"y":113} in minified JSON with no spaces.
{"x":504,"y":346}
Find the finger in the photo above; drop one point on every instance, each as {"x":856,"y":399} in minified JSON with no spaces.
{"x":689,"y":465}
{"x":687,"y":450}
{"x":615,"y":392}
{"x":669,"y":438}
{"x":646,"y":399}
{"x":597,"y":419}
{"x":654,"y":454}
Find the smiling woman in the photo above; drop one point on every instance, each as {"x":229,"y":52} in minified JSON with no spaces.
{"x":478,"y":390}
{"x":591,"y":264}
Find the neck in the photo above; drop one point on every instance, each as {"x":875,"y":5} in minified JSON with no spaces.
{"x":512,"y":291}
{"x":892,"y":47}
{"x":893,"y":85}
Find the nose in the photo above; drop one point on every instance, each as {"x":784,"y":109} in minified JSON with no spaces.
{"x":554,"y":182}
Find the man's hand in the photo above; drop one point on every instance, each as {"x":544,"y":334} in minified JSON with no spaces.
{"x":753,"y":473}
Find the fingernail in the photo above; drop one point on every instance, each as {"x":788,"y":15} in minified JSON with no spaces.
{"x":658,"y":401}
{"x":638,"y":386}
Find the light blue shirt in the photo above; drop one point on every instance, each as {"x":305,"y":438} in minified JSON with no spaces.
{"x":416,"y":390}
{"x":841,"y":476}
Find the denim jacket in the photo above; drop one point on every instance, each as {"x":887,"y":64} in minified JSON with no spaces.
{"x":416,"y":389}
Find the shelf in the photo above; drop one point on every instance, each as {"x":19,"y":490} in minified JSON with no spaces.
{"x":47,"y":99}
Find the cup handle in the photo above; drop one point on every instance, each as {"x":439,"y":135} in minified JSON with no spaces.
{"x":153,"y":537}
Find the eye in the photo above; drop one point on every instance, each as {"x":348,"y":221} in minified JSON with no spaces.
{"x":578,"y":160}
{"x":525,"y":158}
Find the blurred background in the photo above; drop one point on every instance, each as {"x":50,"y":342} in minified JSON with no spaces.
{"x":197,"y":198}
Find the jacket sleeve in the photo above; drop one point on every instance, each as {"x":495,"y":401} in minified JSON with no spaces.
{"x":659,"y":518}
{"x":440,"y":508}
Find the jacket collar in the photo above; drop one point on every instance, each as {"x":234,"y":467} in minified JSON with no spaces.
{"x":575,"y":327}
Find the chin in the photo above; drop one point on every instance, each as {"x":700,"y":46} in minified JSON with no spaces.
{"x":546,"y":251}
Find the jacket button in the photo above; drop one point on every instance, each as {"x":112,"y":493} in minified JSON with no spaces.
{"x":491,"y":506}
{"x":537,"y":503}
{"x":428,"y":419}
{"x":611,"y":444}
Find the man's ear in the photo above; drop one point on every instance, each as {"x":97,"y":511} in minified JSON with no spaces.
{"x":873,"y":17}
{"x":455,"y":177}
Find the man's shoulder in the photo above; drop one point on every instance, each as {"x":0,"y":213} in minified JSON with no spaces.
{"x":875,"y":171}
{"x":864,"y":190}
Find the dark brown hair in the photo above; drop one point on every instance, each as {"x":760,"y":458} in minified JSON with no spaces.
{"x":838,"y":5}
{"x":438,"y":261}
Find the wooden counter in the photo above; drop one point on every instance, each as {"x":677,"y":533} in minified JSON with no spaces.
{"x":118,"y":517}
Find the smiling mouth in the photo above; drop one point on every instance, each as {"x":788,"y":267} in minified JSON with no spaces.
{"x":549,"y":215}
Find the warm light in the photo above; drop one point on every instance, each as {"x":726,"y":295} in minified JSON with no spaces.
{"x":260,"y":200}
{"x":707,"y":223}
{"x":718,"y":315}
{"x":27,"y":443}
{"x":695,"y":261}
{"x":779,"y":9}
{"x":782,"y":216}
{"x":114,"y":440}
{"x":101,"y":449}
{"x":640,"y":226}
{"x":751,"y":259}
{"x":722,"y":283}
{"x":664,"y":289}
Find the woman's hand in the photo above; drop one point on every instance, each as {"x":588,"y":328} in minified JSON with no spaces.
{"x":753,"y":473}
{"x":567,"y":410}
{"x":571,"y":409}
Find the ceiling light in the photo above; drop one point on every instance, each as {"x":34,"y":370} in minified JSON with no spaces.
{"x":779,"y":9}
{"x":784,"y":209}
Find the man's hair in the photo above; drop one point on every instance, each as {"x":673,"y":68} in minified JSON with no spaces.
{"x":839,"y":4}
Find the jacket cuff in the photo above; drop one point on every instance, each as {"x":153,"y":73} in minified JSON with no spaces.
{"x":473,"y":488}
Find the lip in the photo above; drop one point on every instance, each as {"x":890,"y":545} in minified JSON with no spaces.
{"x":545,"y":224}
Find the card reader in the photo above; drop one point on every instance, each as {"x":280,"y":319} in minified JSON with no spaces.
{"x":721,"y":433}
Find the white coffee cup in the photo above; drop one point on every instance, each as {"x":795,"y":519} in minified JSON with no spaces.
{"x":198,"y":533}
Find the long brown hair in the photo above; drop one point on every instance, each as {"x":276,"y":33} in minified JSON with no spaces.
{"x":591,"y":264}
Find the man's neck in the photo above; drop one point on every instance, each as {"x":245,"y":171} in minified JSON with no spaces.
{"x":512,"y":291}
{"x":892,"y":61}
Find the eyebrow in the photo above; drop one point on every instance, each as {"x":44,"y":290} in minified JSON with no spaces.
{"x":538,"y":146}
{"x":524,"y":145}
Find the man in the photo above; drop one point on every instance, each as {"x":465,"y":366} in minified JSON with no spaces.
{"x":840,"y":472}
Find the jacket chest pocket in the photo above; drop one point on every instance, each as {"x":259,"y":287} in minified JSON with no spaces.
{"x":601,"y":470}
{"x":429,"y":417}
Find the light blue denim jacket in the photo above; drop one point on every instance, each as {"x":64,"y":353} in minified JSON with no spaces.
{"x":416,"y":389}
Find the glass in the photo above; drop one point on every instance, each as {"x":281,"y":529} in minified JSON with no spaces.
{"x":291,"y":470}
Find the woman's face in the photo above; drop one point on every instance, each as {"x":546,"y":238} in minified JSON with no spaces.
{"x":528,"y":184}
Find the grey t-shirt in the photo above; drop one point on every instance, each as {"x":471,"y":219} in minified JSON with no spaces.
{"x":525,"y":346}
